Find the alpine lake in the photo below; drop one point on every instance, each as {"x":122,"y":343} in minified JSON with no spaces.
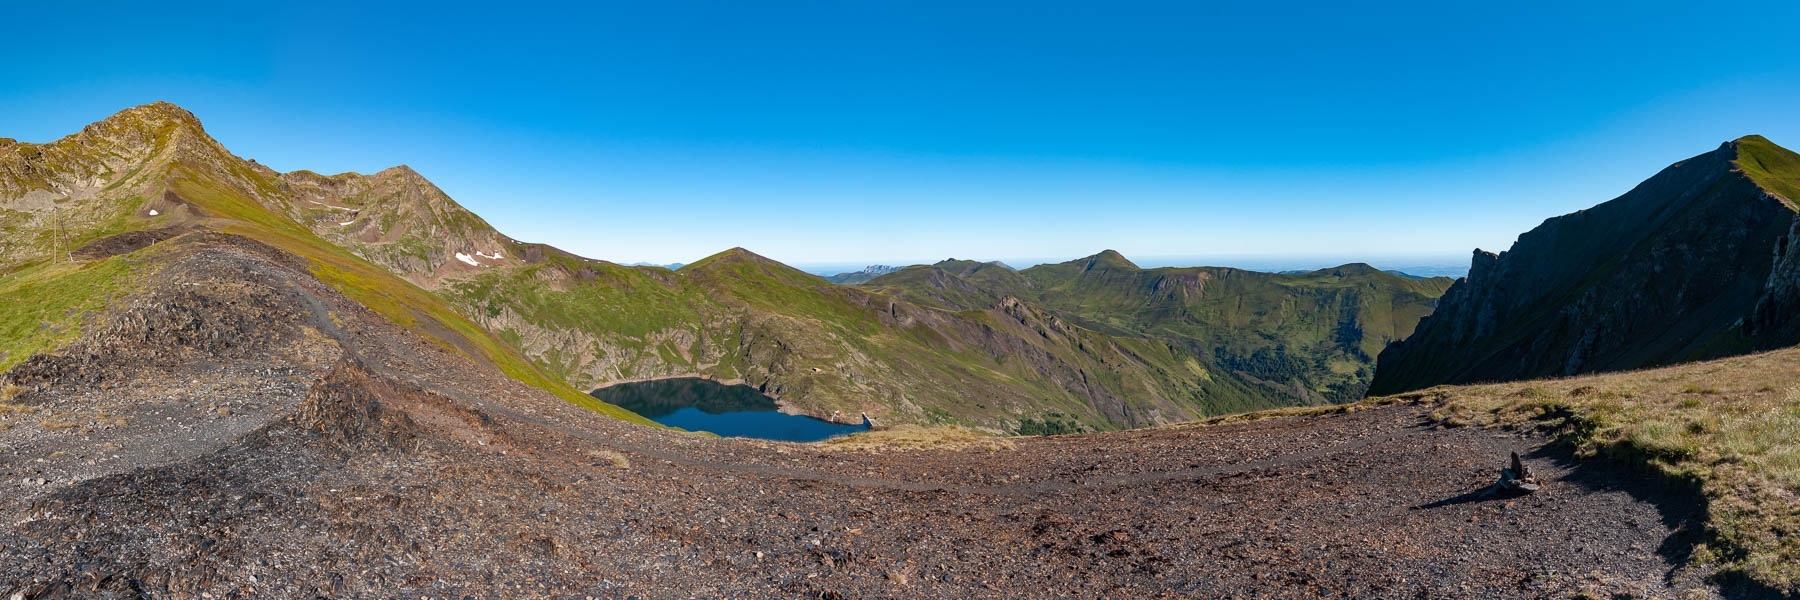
{"x":698,"y":404}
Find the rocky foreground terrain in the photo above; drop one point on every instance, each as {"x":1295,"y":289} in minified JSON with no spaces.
{"x":237,"y":429}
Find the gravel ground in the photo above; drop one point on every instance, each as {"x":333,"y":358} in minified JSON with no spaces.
{"x":269,"y":439}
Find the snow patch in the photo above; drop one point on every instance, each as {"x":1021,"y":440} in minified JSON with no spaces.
{"x":330,"y":206}
{"x":496,"y":255}
{"x":467,"y":259}
{"x":153,"y":212}
{"x":346,"y":223}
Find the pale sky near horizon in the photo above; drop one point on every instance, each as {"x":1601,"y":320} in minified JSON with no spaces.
{"x":860,"y":133}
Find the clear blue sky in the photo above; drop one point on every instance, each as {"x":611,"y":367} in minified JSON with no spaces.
{"x":849,"y":133}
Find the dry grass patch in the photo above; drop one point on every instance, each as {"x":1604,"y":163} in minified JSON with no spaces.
{"x":917,"y":437}
{"x":1296,"y":411}
{"x":58,"y":422}
{"x":1729,"y":427}
{"x":617,"y":459}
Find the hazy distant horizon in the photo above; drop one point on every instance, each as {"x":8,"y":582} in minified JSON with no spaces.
{"x":661,"y":133}
{"x":1426,"y":266}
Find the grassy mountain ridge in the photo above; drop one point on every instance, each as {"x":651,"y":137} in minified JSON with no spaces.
{"x":1314,"y":334}
{"x":824,"y":348}
{"x":548,"y":317}
{"x":1693,"y":263}
{"x":151,"y":173}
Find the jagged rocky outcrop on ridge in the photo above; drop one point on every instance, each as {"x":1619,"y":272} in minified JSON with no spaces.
{"x":867,"y":273}
{"x":1695,"y":262}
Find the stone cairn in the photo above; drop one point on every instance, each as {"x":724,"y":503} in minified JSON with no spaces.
{"x":1515,"y":480}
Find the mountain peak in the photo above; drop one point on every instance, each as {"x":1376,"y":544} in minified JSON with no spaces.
{"x":1773,"y":167}
{"x":401,"y":170}
{"x":1351,"y":269}
{"x":1109,"y":258}
{"x":735,"y":255}
{"x":1532,"y":310}
{"x":150,"y":117}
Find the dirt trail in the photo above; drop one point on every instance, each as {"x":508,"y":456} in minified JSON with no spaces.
{"x":1093,"y":481}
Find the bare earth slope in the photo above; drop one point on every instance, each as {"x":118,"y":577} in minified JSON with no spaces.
{"x":240,"y":430}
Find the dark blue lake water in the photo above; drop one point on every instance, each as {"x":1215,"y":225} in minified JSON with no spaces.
{"x":698,"y":404}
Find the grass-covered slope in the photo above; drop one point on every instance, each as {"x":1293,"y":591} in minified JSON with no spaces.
{"x":1728,"y":427}
{"x":396,"y":219}
{"x":825,"y":348}
{"x":1773,"y":167}
{"x":1695,"y":262}
{"x":1313,"y":335}
{"x":153,"y":169}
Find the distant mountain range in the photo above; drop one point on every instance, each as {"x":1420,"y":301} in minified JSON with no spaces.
{"x":972,"y":343}
{"x":855,"y":277}
{"x":1395,"y":272}
{"x":1694,"y":263}
{"x":1312,"y":335}
{"x":1096,"y":340}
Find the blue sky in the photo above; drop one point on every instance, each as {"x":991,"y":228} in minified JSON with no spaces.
{"x":850,"y":133}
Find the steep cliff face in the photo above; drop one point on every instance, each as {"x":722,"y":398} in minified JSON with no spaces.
{"x":1674,"y":270}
